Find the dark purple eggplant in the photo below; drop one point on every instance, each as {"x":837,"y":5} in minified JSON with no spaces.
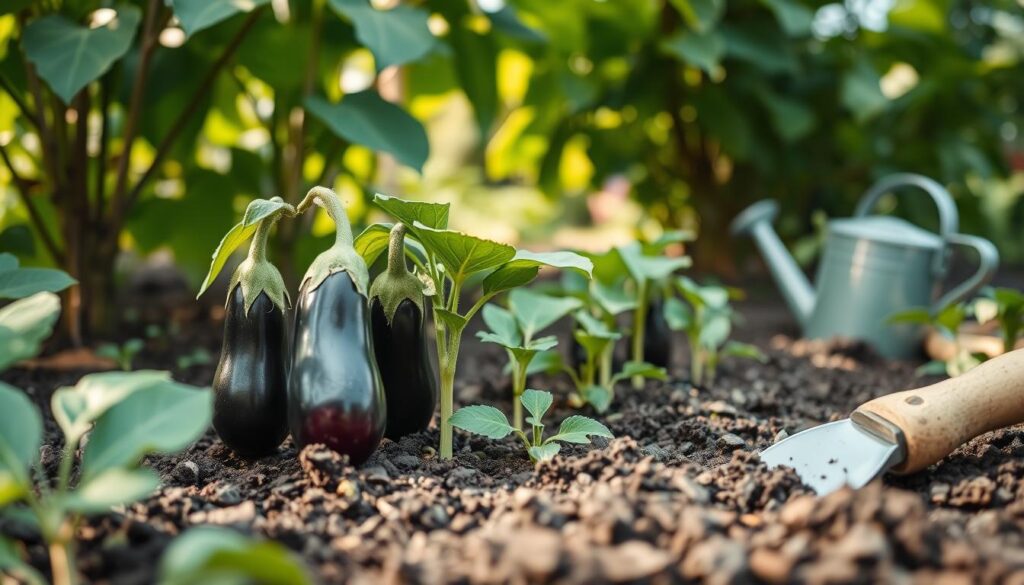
{"x":335,"y":393}
{"x":400,"y":343}
{"x":250,"y":384}
{"x":657,"y":335}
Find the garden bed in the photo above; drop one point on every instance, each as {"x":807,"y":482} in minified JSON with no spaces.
{"x":678,"y":495}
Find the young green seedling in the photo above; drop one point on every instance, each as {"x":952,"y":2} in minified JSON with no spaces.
{"x":449,"y":261}
{"x":705,"y":316}
{"x":492,"y":423}
{"x":127,"y":416}
{"x":946,"y":322}
{"x":1006,"y":306}
{"x":124,"y":354}
{"x":516,"y":330}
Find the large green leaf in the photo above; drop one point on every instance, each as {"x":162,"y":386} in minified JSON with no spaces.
{"x":112,"y":488}
{"x":704,"y":50}
{"x":69,"y":56}
{"x":21,"y":431}
{"x":432,"y":215}
{"x":373,"y":241}
{"x":645,"y":268}
{"x":24,"y":324}
{"x":76,"y":408}
{"x":525,"y":265}
{"x":164,"y":418}
{"x":195,"y":15}
{"x":482,"y":420}
{"x":462,"y":254}
{"x":536,"y":312}
{"x":793,"y":17}
{"x":18,"y":283}
{"x":476,"y":63}
{"x":395,"y":36}
{"x":365,"y":118}
{"x":579,"y":429}
{"x":216,"y":555}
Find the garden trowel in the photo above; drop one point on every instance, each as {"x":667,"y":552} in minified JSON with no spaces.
{"x":906,"y":431}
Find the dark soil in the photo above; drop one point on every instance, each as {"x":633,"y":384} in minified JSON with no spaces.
{"x":679,"y":496}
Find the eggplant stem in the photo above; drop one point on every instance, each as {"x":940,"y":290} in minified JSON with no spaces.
{"x":396,"y":251}
{"x":329,"y":200}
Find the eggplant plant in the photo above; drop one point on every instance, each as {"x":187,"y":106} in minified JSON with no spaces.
{"x":400,"y":343}
{"x":946,"y":321}
{"x":492,"y":423}
{"x":516,"y":330}
{"x":1006,"y":307}
{"x":126,"y":415}
{"x":449,"y":262}
{"x":122,"y":353}
{"x":704,"y":314}
{"x":250,"y":383}
{"x":335,"y":393}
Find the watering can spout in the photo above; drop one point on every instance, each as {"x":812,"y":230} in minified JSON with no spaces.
{"x":756,"y":221}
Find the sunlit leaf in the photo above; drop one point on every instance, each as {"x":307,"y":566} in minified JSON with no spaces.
{"x":255,"y":212}
{"x":544,"y":452}
{"x":195,"y":15}
{"x":861,"y":91}
{"x":462,"y":254}
{"x":432,"y":215}
{"x":395,"y":36}
{"x":525,"y":265}
{"x":365,"y":118}
{"x":536,"y":312}
{"x":24,"y":325}
{"x":482,"y":420}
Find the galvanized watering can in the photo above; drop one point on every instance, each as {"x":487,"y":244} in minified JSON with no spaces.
{"x":872,"y":267}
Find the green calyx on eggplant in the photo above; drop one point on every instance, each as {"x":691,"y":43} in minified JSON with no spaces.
{"x":335,"y":393}
{"x":250,"y":383}
{"x":400,"y":343}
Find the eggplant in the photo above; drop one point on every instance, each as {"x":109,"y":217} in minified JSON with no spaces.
{"x":335,"y":393}
{"x":657,"y":335}
{"x":250,"y":383}
{"x":400,"y":344}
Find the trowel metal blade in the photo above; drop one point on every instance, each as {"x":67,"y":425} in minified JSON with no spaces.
{"x":832,"y":455}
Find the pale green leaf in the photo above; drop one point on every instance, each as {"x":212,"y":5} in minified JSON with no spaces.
{"x":76,"y":408}
{"x":678,"y":316}
{"x":613,"y":299}
{"x":195,"y":15}
{"x":462,"y":255}
{"x":373,"y":242}
{"x":593,"y":344}
{"x":69,"y":55}
{"x":235,"y":237}
{"x":544,"y":452}
{"x":646,"y":268}
{"x":704,"y":50}
{"x":24,"y":325}
{"x":743,"y":350}
{"x":21,"y":431}
{"x":643,"y":369}
{"x":216,"y":555}
{"x":367,"y":119}
{"x":11,"y":489}
{"x":537,"y":403}
{"x":525,"y":265}
{"x":396,"y":36}
{"x":482,"y":420}
{"x":599,"y":397}
{"x":163,"y":418}
{"x":23,"y":282}
{"x":504,"y":329}
{"x":111,"y":488}
{"x":432,"y":215}
{"x":536,"y":312}
{"x":579,"y":429}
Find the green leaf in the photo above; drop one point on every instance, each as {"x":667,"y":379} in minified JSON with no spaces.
{"x":537,"y":403}
{"x":21,"y":431}
{"x":932,"y":368}
{"x":525,"y":265}
{"x":599,"y":397}
{"x":644,"y":370}
{"x":395,"y":36}
{"x":536,"y":312}
{"x":764,"y":47}
{"x":11,"y":489}
{"x":462,"y":255}
{"x":216,"y":555}
{"x":112,"y":488}
{"x":613,"y":300}
{"x":24,"y":324}
{"x":861,"y":92}
{"x":365,"y":118}
{"x":8,"y":262}
{"x":678,"y":316}
{"x":432,"y":215}
{"x":704,"y":50}
{"x":476,"y":65}
{"x":916,"y":316}
{"x":701,"y":15}
{"x":453,"y":321}
{"x":646,"y":268}
{"x":163,"y":418}
{"x":195,"y":15}
{"x":744,"y":350}
{"x":69,"y":56}
{"x":594,"y":345}
{"x":19,"y":283}
{"x":373,"y":242}
{"x":482,"y":420}
{"x":544,"y":452}
{"x":76,"y":408}
{"x":714,"y":330}
{"x":579,"y":429}
{"x":549,"y":362}
{"x":793,"y":17}
{"x":791,"y":119}
{"x":504,"y":329}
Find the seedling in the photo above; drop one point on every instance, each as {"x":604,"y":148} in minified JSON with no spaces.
{"x":127,"y":416}
{"x":705,"y":316}
{"x":515,"y":330}
{"x":211,"y":554}
{"x":1006,"y":306}
{"x":124,"y":354}
{"x":198,"y":357}
{"x":448,"y":262}
{"x":946,"y":322}
{"x":492,"y":423}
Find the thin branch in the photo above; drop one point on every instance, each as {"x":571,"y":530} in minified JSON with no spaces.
{"x":101,"y":158}
{"x":33,"y":212}
{"x":18,"y":100}
{"x":149,"y":43}
{"x":183,"y":118}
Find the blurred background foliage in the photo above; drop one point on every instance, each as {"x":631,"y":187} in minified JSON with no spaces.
{"x":140,"y":127}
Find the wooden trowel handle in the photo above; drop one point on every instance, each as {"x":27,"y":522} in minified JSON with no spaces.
{"x":937,"y":419}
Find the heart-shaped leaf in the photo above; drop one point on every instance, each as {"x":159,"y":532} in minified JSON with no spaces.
{"x":599,"y":397}
{"x":647,"y":268}
{"x":482,"y":420}
{"x":365,"y":118}
{"x":504,"y":329}
{"x":69,"y":56}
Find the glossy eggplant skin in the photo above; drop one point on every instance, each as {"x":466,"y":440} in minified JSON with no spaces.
{"x":335,"y":393}
{"x":657,"y":335}
{"x":404,"y":362}
{"x":250,"y":384}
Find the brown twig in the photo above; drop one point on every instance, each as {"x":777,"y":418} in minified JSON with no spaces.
{"x":33,"y":212}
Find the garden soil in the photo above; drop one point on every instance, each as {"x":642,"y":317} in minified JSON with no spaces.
{"x":678,"y":496}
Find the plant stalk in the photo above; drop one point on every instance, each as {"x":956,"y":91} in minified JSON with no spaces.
{"x":639,"y":323}
{"x":396,"y":251}
{"x":62,"y":557}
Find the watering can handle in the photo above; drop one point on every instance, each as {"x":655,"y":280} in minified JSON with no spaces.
{"x":988,"y":261}
{"x":949,"y":222}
